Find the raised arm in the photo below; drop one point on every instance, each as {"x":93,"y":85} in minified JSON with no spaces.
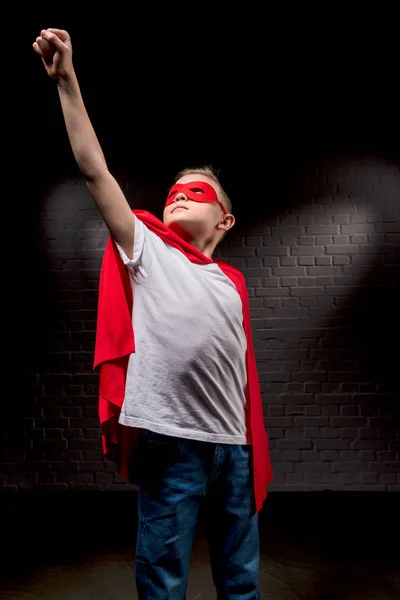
{"x":55,"y":48}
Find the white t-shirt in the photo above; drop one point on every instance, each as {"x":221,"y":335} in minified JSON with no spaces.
{"x":187,"y":375}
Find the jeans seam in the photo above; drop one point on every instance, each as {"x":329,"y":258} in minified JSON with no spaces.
{"x":145,"y":567}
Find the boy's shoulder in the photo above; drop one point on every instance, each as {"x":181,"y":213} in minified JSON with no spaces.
{"x":232,"y":272}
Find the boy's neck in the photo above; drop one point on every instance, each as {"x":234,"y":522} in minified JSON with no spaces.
{"x":206,"y":247}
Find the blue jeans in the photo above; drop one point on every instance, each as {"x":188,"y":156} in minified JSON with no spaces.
{"x":177,"y":477}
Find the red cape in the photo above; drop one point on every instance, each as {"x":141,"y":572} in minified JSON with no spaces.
{"x":115,"y":341}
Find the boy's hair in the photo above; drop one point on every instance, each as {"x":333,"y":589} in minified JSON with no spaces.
{"x":211,"y":174}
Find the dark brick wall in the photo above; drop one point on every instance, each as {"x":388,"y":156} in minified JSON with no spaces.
{"x":322,"y":271}
{"x":317,"y":238}
{"x":324,"y":281}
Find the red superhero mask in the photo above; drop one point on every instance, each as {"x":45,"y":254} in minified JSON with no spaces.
{"x":199,"y":191}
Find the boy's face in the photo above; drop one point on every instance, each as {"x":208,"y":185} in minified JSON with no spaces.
{"x":196,"y":218}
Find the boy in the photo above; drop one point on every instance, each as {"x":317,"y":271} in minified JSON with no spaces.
{"x":180,"y":407}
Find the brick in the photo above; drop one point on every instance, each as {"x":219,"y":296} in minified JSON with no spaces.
{"x":306,"y":291}
{"x":331,"y":444}
{"x":273,"y":251}
{"x":289,"y":271}
{"x":242,"y":251}
{"x":312,"y":421}
{"x":329,"y":455}
{"x":272,"y":241}
{"x":306,"y":241}
{"x":294,"y":230}
{"x":354,"y":228}
{"x":313,"y":467}
{"x":288,"y":281}
{"x":305,"y":260}
{"x":342,"y":219}
{"x":291,"y":455}
{"x":323,"y":240}
{"x":294,"y":313}
{"x":287,"y":261}
{"x":322,"y":229}
{"x":343,"y":260}
{"x":349,"y":250}
{"x":322,"y":261}
{"x":290,"y":302}
{"x":271,"y":302}
{"x":323,"y":403}
{"x":311,"y":455}
{"x":280,"y":422}
{"x":254,"y":241}
{"x":307,"y":250}
{"x":289,"y":240}
{"x":254,"y":262}
{"x":271,"y":261}
{"x":293,"y":444}
{"x":358,"y":239}
{"x":328,"y":270}
{"x":338,"y":209}
{"x":310,"y":376}
{"x":341,"y":240}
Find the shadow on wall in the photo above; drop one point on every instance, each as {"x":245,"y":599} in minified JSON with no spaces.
{"x":326,"y":323}
{"x":346,"y":324}
{"x":364,"y":332}
{"x":53,"y":336}
{"x":362,"y":362}
{"x":375,"y":318}
{"x":375,"y":330}
{"x":279,"y":186}
{"x":372,"y":260}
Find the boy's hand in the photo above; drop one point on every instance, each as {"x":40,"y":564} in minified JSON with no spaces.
{"x":55,"y":48}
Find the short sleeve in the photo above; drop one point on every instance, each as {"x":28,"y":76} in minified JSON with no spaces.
{"x":143,"y":252}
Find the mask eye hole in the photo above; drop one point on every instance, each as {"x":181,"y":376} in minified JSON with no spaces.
{"x":197,"y":190}
{"x":172,"y":193}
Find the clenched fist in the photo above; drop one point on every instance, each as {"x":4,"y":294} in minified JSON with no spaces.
{"x":55,"y":48}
